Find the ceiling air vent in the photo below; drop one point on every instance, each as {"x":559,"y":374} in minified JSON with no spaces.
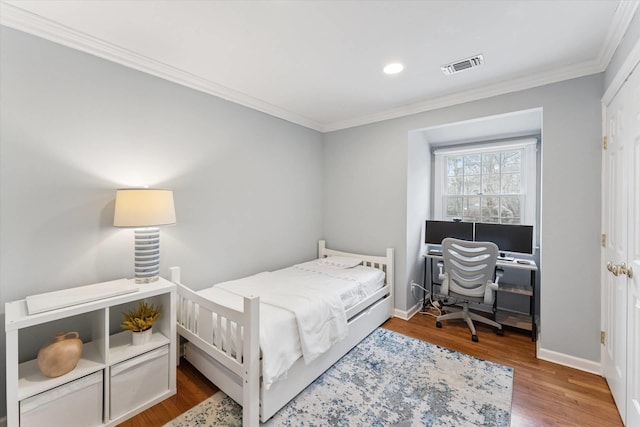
{"x":464,"y":64}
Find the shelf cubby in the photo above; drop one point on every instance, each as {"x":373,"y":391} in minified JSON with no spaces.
{"x":104,"y":345}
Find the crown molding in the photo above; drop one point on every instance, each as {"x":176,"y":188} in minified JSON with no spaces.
{"x":617,"y":29}
{"x":22,"y":20}
{"x":514,"y":85}
{"x":632,"y":61}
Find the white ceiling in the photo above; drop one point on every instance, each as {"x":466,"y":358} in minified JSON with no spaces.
{"x":319,"y":63}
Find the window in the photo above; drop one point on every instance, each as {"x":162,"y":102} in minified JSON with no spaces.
{"x":487,"y":183}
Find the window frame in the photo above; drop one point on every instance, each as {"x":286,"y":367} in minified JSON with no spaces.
{"x":528,"y":173}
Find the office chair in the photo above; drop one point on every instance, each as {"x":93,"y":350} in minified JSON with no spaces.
{"x":469,"y":269}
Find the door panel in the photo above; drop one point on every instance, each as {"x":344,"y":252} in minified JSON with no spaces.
{"x":633,"y":258}
{"x":621,"y":222}
{"x":633,"y":384}
{"x":615,"y":289}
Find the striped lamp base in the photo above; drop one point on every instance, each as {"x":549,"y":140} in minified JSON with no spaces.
{"x":147,"y":254}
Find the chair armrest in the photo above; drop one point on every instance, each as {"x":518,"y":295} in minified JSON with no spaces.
{"x":441,"y":273}
{"x":489,"y":292}
{"x":444,"y":287}
{"x":492,"y":287}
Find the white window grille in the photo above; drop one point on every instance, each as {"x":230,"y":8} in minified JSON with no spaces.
{"x":493,"y":182}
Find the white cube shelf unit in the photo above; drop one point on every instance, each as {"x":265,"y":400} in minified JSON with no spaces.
{"x":104,"y":354}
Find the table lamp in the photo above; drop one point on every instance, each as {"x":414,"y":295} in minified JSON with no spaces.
{"x":144,"y":209}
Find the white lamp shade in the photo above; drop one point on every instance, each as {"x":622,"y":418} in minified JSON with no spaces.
{"x":144,"y":207}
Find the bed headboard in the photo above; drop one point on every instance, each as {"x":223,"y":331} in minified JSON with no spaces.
{"x":384,"y":263}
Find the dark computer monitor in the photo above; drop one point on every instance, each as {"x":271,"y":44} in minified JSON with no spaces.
{"x":435,"y":231}
{"x":508,"y":237}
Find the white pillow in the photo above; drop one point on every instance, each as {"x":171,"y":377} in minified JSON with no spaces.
{"x":340,"y":261}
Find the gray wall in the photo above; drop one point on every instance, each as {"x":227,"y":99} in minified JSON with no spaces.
{"x":366,"y":170}
{"x":418,"y":202}
{"x":74,"y":128}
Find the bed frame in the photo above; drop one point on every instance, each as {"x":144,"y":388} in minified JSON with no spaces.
{"x":238,"y":375}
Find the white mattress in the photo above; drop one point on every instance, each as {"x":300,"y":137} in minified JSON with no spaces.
{"x":279,"y":333}
{"x":353,"y":284}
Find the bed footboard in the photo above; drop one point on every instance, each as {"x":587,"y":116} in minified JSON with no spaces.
{"x":208,"y":325}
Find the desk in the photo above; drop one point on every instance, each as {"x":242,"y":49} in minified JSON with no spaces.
{"x":512,"y":319}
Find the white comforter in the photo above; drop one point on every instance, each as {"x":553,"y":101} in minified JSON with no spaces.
{"x":319,"y":312}
{"x":302,"y":310}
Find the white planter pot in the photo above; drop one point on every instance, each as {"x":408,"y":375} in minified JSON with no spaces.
{"x":139,"y":338}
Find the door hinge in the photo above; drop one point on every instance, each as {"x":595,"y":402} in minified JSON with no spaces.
{"x":604,"y":240}
{"x":602,"y":337}
{"x":604,"y":142}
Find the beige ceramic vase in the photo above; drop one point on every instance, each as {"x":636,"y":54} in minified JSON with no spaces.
{"x":61,"y":355}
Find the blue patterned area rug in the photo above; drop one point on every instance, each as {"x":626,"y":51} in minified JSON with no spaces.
{"x":388,"y":379}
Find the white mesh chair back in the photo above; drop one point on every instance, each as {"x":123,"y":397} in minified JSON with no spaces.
{"x":469,"y":267}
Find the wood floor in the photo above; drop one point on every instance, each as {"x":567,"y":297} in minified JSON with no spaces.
{"x":544,"y":394}
{"x":193,"y":388}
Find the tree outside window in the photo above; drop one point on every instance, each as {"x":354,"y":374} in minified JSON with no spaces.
{"x":487,"y":183}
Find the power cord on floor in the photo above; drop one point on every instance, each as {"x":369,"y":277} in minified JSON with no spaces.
{"x":430,"y":307}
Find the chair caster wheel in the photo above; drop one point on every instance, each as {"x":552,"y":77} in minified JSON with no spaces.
{"x":438,"y":324}
{"x":499,"y":332}
{"x":474,"y":338}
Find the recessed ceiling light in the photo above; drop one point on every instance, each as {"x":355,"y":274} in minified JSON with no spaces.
{"x":394,"y":68}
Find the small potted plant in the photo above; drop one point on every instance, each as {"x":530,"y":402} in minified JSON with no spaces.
{"x":140,"y":321}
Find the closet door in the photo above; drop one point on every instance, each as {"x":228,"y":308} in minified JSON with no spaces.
{"x":633,"y":257}
{"x":621,"y":254}
{"x":615,"y":292}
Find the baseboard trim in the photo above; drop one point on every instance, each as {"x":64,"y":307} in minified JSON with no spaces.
{"x":541,"y":353}
{"x":406,"y":315}
{"x":570,"y":361}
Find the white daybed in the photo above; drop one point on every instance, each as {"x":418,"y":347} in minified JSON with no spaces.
{"x":232,"y":359}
